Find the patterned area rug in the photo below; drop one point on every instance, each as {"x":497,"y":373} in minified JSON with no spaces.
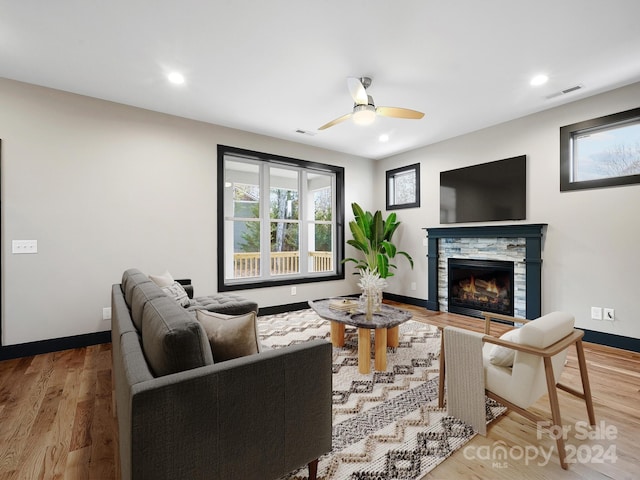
{"x":386,"y":425}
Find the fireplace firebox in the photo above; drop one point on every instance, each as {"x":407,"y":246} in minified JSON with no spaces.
{"x":477,"y":286}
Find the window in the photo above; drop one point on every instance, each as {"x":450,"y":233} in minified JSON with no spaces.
{"x":281,"y":220}
{"x":601,"y":152}
{"x":403,"y":187}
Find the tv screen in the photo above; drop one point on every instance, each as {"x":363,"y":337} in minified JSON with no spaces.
{"x":486,"y":192}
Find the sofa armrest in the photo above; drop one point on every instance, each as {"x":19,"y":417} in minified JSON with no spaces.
{"x":273,"y":407}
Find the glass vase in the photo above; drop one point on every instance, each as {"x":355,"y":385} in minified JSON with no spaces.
{"x":370,"y":302}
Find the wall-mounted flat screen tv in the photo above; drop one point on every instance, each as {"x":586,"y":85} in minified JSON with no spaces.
{"x":487,"y":192}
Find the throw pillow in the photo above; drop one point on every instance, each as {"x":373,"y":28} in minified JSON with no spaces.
{"x":503,"y":356}
{"x":230,"y":336}
{"x":163,"y":280}
{"x":178,"y":293}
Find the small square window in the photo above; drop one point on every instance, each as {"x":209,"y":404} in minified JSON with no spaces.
{"x":403,"y":187}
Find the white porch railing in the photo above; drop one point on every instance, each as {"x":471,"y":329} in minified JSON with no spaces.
{"x":247,"y":264}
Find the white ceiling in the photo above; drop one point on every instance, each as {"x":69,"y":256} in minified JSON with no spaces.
{"x":273,"y":67}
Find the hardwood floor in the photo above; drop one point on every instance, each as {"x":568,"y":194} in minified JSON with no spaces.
{"x":608,"y":452}
{"x":57,"y":420}
{"x":57,"y":416}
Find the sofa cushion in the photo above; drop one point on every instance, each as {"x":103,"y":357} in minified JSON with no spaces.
{"x":503,"y":356}
{"x":172,"y":340}
{"x":227,"y":303}
{"x":131,"y":278}
{"x":163,"y":280}
{"x":141,"y":294}
{"x":178,"y":293}
{"x":230,"y":336}
{"x":135,"y":366}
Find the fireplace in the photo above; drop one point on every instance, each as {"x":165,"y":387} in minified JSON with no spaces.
{"x":517,"y":243}
{"x":477,"y":286}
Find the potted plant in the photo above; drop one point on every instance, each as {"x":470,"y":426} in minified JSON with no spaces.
{"x":372,"y":236}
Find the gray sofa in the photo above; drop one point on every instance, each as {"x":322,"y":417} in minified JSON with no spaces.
{"x":180,"y":416}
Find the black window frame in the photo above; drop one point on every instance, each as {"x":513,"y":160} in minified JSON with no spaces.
{"x":567,"y":135}
{"x":279,"y":160}
{"x":392,"y":174}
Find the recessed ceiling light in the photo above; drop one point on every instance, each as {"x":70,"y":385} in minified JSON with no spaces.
{"x":539,"y":80}
{"x":176,"y":78}
{"x":383,"y":138}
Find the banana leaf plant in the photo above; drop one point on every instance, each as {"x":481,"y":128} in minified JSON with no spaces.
{"x":372,"y":236}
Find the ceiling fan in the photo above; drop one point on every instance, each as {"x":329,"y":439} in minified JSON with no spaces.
{"x":364,"y":110}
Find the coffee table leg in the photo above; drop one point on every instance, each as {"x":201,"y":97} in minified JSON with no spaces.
{"x":364,"y":350}
{"x":393,"y":336}
{"x":337,"y":334}
{"x":381,"y":349}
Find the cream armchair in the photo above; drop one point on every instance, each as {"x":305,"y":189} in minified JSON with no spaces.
{"x":526,"y":362}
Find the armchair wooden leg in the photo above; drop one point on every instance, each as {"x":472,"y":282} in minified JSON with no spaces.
{"x":442,"y":372}
{"x":313,"y":469}
{"x":555,"y":411}
{"x":586,"y":388}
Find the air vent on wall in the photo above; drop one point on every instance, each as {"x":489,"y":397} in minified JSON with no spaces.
{"x":565,"y":91}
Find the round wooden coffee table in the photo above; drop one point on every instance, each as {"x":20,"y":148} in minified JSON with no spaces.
{"x":385,"y":323}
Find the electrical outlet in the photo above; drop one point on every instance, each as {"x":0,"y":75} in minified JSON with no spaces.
{"x":106,"y":313}
{"x":413,"y":285}
{"x":596,"y":313}
{"x":609,"y":314}
{"x":24,"y":246}
{"x":293,"y":290}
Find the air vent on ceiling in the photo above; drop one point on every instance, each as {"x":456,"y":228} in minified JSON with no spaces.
{"x":305,"y":132}
{"x":572,"y":89}
{"x":565,"y":91}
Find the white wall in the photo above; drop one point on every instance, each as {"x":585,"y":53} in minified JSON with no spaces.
{"x":591,"y":253}
{"x":103,"y":187}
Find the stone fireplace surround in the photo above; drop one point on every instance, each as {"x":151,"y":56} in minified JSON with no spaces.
{"x":520,"y":243}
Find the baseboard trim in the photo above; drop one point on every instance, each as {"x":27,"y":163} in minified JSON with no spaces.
{"x":591,"y":336}
{"x":611,"y":340}
{"x":408,"y":300}
{"x":29,"y":349}
{"x":290,"y":307}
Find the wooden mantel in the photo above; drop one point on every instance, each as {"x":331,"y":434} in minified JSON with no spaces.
{"x":532,"y":233}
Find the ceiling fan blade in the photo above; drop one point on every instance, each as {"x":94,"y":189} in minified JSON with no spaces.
{"x":336,"y":121}
{"x":357,"y":91}
{"x":398,"y":112}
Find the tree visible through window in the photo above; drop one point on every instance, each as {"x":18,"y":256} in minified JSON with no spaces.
{"x":323,"y":209}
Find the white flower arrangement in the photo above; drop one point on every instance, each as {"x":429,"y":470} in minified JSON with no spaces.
{"x":370,"y":280}
{"x":371,"y":285}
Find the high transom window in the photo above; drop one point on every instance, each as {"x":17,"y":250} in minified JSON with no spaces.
{"x":281,"y":220}
{"x":601,"y":152}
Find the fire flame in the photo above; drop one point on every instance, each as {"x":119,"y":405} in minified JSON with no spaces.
{"x":487,"y":286}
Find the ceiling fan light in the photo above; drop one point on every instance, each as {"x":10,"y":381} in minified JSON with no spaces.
{"x":364,"y":114}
